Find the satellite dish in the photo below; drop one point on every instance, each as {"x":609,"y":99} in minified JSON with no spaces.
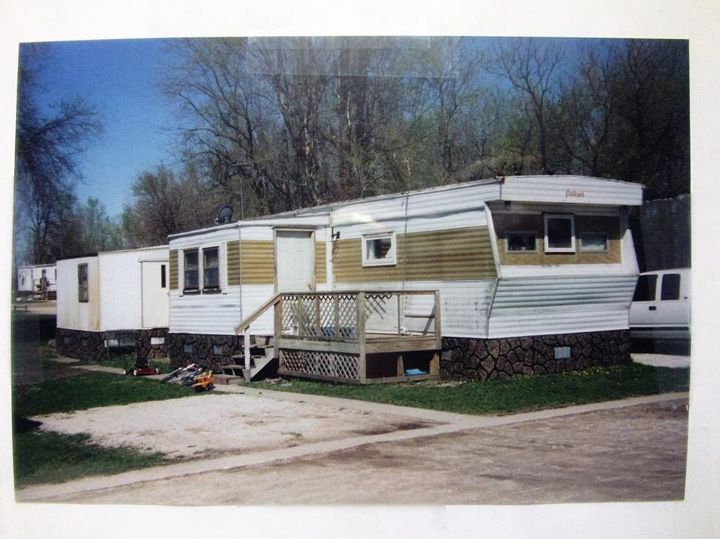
{"x":224,"y":215}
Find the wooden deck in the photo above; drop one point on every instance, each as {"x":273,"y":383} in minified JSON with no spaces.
{"x":354,"y":336}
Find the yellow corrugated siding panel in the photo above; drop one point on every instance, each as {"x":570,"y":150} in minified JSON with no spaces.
{"x":233,"y":262}
{"x":257,"y":263}
{"x":173,"y":268}
{"x":458,"y":254}
{"x":320,"y":267}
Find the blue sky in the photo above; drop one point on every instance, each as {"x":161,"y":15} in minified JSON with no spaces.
{"x":121,"y":79}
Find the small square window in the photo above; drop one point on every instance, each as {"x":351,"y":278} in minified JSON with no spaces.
{"x":559,"y":233}
{"x":520,"y":242}
{"x":379,"y":250}
{"x":594,"y":242}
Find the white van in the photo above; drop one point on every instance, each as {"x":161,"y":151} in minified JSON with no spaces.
{"x":661,"y":305}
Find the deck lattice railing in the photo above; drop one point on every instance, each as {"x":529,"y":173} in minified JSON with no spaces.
{"x":346,"y":316}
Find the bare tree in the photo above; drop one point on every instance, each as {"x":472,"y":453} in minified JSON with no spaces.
{"x":46,"y":169}
{"x":533,"y":69}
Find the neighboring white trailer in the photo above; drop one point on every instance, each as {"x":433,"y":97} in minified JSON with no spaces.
{"x":29,"y":278}
{"x":111,"y":299}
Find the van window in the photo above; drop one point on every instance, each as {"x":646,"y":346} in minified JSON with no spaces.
{"x":645,"y":289}
{"x":670,"y":288}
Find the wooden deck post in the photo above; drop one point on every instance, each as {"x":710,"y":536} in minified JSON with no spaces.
{"x":246,"y":352}
{"x":360,"y":330}
{"x":399,"y":332}
{"x":438,"y":321}
{"x":318,"y":325}
{"x":336,"y":306}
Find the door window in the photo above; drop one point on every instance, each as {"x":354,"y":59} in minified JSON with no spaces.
{"x":645,"y":289}
{"x":670,"y":288}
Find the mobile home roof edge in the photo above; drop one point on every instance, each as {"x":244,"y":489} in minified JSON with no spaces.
{"x":329,"y":207}
{"x":90,"y":255}
{"x":324,"y":209}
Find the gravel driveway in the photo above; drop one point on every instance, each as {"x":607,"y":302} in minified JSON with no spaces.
{"x":215,"y":424}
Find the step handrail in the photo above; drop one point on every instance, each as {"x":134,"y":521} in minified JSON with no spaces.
{"x":247,"y":322}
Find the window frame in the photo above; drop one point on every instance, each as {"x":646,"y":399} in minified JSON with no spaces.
{"x":210,"y":289}
{"x":196,"y":289}
{"x":389,"y":260}
{"x":519,"y":232}
{"x":652,"y":280}
{"x":83,"y":283}
{"x":201,"y":288}
{"x":567,"y":216}
{"x":584,"y":249}
{"x":677,"y":287}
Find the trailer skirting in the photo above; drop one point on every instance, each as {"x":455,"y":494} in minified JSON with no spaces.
{"x":98,"y":345}
{"x":489,"y":359}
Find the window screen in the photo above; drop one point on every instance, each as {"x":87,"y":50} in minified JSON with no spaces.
{"x":645,"y":289}
{"x":670,"y":288}
{"x":191,"y":270}
{"x":211,"y":268}
{"x":520,"y":241}
{"x":594,"y":242}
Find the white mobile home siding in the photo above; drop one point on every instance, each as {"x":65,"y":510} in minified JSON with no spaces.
{"x":121,"y":287}
{"x":578,"y":190}
{"x":29,"y":277}
{"x":71,"y":313}
{"x":554,"y":305}
{"x":212,"y":314}
{"x":25,"y":279}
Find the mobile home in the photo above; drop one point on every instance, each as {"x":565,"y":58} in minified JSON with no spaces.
{"x":29,"y":279}
{"x":485,"y":279}
{"x":112,"y":300}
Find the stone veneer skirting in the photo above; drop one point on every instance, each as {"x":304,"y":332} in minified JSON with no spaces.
{"x":488,"y":359}
{"x":90,"y":345}
{"x":185,"y":348}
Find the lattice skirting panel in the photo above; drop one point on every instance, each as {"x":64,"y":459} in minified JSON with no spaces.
{"x":325,"y":364}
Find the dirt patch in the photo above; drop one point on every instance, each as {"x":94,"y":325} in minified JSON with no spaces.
{"x":221,"y":424}
{"x":393,"y":428}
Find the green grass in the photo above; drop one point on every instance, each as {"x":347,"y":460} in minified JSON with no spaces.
{"x":511,"y":395}
{"x":90,"y":390}
{"x":48,"y":457}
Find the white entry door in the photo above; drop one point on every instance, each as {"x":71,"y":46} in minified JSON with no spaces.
{"x":155,"y":301}
{"x":295,"y":260}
